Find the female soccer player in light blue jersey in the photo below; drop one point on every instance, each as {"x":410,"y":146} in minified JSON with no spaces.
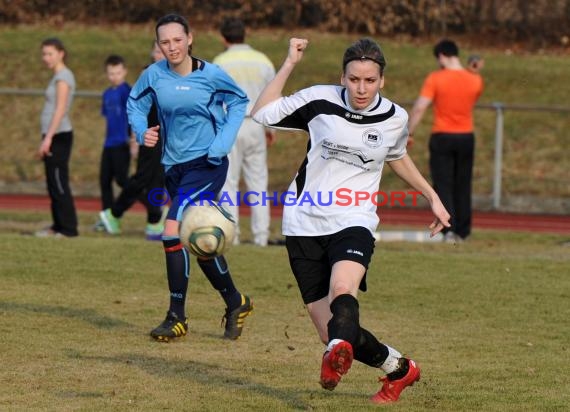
{"x":200,"y":110}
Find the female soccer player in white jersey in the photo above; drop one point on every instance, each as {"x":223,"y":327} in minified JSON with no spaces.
{"x":352,"y":131}
{"x":200,"y":109}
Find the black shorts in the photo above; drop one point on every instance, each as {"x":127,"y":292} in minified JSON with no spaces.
{"x":312,"y":258}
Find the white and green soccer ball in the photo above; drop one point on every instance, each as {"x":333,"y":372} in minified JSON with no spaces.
{"x":207,"y":230}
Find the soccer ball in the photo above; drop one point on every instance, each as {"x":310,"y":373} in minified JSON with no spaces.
{"x":207,"y":230}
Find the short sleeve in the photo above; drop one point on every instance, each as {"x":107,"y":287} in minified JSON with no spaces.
{"x":290,"y":112}
{"x":428,"y":88}
{"x":125,"y":93}
{"x":399,"y":149}
{"x":67,"y":77}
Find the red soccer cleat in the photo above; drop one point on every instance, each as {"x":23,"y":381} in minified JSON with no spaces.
{"x":336,"y":363}
{"x":391,"y":389}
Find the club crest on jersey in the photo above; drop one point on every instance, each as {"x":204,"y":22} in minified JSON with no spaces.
{"x":372,"y":138}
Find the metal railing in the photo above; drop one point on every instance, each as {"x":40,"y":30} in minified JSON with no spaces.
{"x":498,"y":107}
{"x":42,"y":92}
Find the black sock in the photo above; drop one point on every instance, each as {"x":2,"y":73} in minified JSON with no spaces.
{"x":403,"y":367}
{"x":178,"y":272}
{"x":217,"y":272}
{"x":344,"y":323}
{"x":369,"y":350}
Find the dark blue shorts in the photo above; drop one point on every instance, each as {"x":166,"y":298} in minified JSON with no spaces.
{"x":193,"y":183}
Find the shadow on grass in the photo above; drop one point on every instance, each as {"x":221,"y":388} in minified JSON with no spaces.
{"x":205,"y":374}
{"x":86,"y":315}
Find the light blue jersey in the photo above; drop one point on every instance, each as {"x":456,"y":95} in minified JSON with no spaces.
{"x":200,"y":114}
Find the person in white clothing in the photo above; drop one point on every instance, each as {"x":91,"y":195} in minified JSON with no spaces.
{"x":353,"y":131}
{"x":251,"y":70}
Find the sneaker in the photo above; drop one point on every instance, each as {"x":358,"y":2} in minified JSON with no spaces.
{"x":112,"y":224}
{"x":276,"y":242}
{"x":452,"y":238}
{"x":153,"y":231}
{"x":48,"y":232}
{"x":99,"y":226}
{"x":392,"y":388}
{"x":234,"y":319}
{"x":172,"y":327}
{"x":336,"y":363}
{"x":260,"y":240}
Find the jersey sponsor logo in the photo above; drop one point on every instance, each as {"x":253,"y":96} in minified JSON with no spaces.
{"x":182,"y":87}
{"x":335,"y":151}
{"x":372,"y":138}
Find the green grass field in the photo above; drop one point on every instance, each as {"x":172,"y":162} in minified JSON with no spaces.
{"x":536,"y":149}
{"x":487,"y":321}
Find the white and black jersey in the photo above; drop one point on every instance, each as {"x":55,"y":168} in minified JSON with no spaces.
{"x":345,"y":156}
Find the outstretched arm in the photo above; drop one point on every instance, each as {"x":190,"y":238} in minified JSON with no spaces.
{"x":274,"y":88}
{"x":407,"y":171}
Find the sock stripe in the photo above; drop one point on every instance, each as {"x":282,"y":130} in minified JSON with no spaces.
{"x":223,"y":271}
{"x":174,"y":248}
{"x":186,"y":263}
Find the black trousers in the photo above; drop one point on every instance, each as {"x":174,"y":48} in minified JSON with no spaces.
{"x":451,"y":166}
{"x":114,"y":166}
{"x":57,"y":178}
{"x":148,"y":175}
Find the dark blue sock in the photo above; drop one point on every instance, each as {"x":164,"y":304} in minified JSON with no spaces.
{"x":217,"y":272}
{"x":178,"y":272}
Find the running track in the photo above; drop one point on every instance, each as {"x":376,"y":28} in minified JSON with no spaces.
{"x":389,"y":216}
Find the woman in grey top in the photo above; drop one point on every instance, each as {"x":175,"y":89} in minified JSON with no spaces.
{"x":57,"y":139}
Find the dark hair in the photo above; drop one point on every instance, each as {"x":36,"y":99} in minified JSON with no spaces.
{"x":114,"y":60}
{"x":57,"y":43}
{"x":364,"y":49}
{"x":174,"y":18}
{"x":446,"y":47}
{"x":233,"y":30}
